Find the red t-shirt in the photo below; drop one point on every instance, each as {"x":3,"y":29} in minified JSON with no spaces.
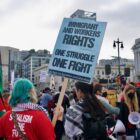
{"x":33,"y":123}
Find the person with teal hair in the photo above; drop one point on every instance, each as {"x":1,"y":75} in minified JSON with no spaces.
{"x":26,"y":120}
{"x":27,"y":94}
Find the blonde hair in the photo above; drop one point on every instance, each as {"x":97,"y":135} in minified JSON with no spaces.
{"x":33,"y":96}
{"x":134,"y":100}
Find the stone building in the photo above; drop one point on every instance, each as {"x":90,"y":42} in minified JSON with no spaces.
{"x":136,"y":50}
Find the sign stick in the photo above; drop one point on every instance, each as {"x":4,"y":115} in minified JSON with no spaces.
{"x":61,"y":96}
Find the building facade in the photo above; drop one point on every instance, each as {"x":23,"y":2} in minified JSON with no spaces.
{"x":100,"y":73}
{"x":10,"y":63}
{"x":34,"y":60}
{"x":114,"y":62}
{"x":136,"y":50}
{"x":42,"y":79}
{"x":124,"y":64}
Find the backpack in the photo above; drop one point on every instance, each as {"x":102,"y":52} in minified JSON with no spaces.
{"x":94,"y":129}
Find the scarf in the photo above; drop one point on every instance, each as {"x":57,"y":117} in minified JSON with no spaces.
{"x":32,"y":106}
{"x":73,"y":122}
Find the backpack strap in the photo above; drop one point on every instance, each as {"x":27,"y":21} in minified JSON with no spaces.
{"x":23,"y":136}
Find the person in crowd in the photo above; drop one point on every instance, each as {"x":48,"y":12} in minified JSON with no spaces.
{"x":122,"y":94}
{"x":39,"y":95}
{"x":53,"y":102}
{"x":98,"y":90}
{"x":59,"y":127}
{"x":104,"y":94}
{"x":87,"y":102}
{"x":51,"y":107}
{"x":46,"y":97}
{"x":130,"y":104}
{"x":104,"y":101}
{"x":72,"y":96}
{"x":26,"y":120}
{"x":138,"y":95}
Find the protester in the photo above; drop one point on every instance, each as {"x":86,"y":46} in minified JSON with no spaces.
{"x":51,"y":107}
{"x":120,"y":96}
{"x":130,"y":104}
{"x":138,"y":95}
{"x":72,"y":97}
{"x":98,"y":90}
{"x":27,"y":120}
{"x":122,"y":93}
{"x":104,"y":101}
{"x":59,"y":128}
{"x":88,"y":102}
{"x":46,"y":97}
{"x":65,"y":102}
{"x":52,"y":103}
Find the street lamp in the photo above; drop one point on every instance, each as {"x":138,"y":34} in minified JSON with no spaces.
{"x":119,"y":45}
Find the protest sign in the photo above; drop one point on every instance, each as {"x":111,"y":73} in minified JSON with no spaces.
{"x":43,"y":76}
{"x":77,"y":49}
{"x":112,"y":97}
{"x":76,"y":52}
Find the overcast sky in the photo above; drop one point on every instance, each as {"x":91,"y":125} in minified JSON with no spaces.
{"x":34,"y":24}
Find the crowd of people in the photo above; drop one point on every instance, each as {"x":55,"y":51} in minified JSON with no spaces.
{"x":85,"y":113}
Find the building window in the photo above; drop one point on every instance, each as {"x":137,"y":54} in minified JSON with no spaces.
{"x":98,"y":72}
{"x":103,"y":72}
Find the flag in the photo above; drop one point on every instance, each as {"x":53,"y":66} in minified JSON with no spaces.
{"x":1,"y":85}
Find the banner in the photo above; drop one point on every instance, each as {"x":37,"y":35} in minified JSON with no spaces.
{"x":77,"y":49}
{"x":112,"y":97}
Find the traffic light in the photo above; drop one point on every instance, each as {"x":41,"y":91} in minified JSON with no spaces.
{"x":107,"y":69}
{"x":127,"y":72}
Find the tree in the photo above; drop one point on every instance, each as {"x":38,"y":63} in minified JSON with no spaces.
{"x":32,"y":51}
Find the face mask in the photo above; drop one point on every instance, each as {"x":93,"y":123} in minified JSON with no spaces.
{"x":130,"y":95}
{"x":104,"y":94}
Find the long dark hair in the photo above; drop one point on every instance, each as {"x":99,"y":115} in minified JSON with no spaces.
{"x":91,"y":104}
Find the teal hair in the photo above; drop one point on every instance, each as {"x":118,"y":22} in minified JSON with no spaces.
{"x":20,"y":92}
